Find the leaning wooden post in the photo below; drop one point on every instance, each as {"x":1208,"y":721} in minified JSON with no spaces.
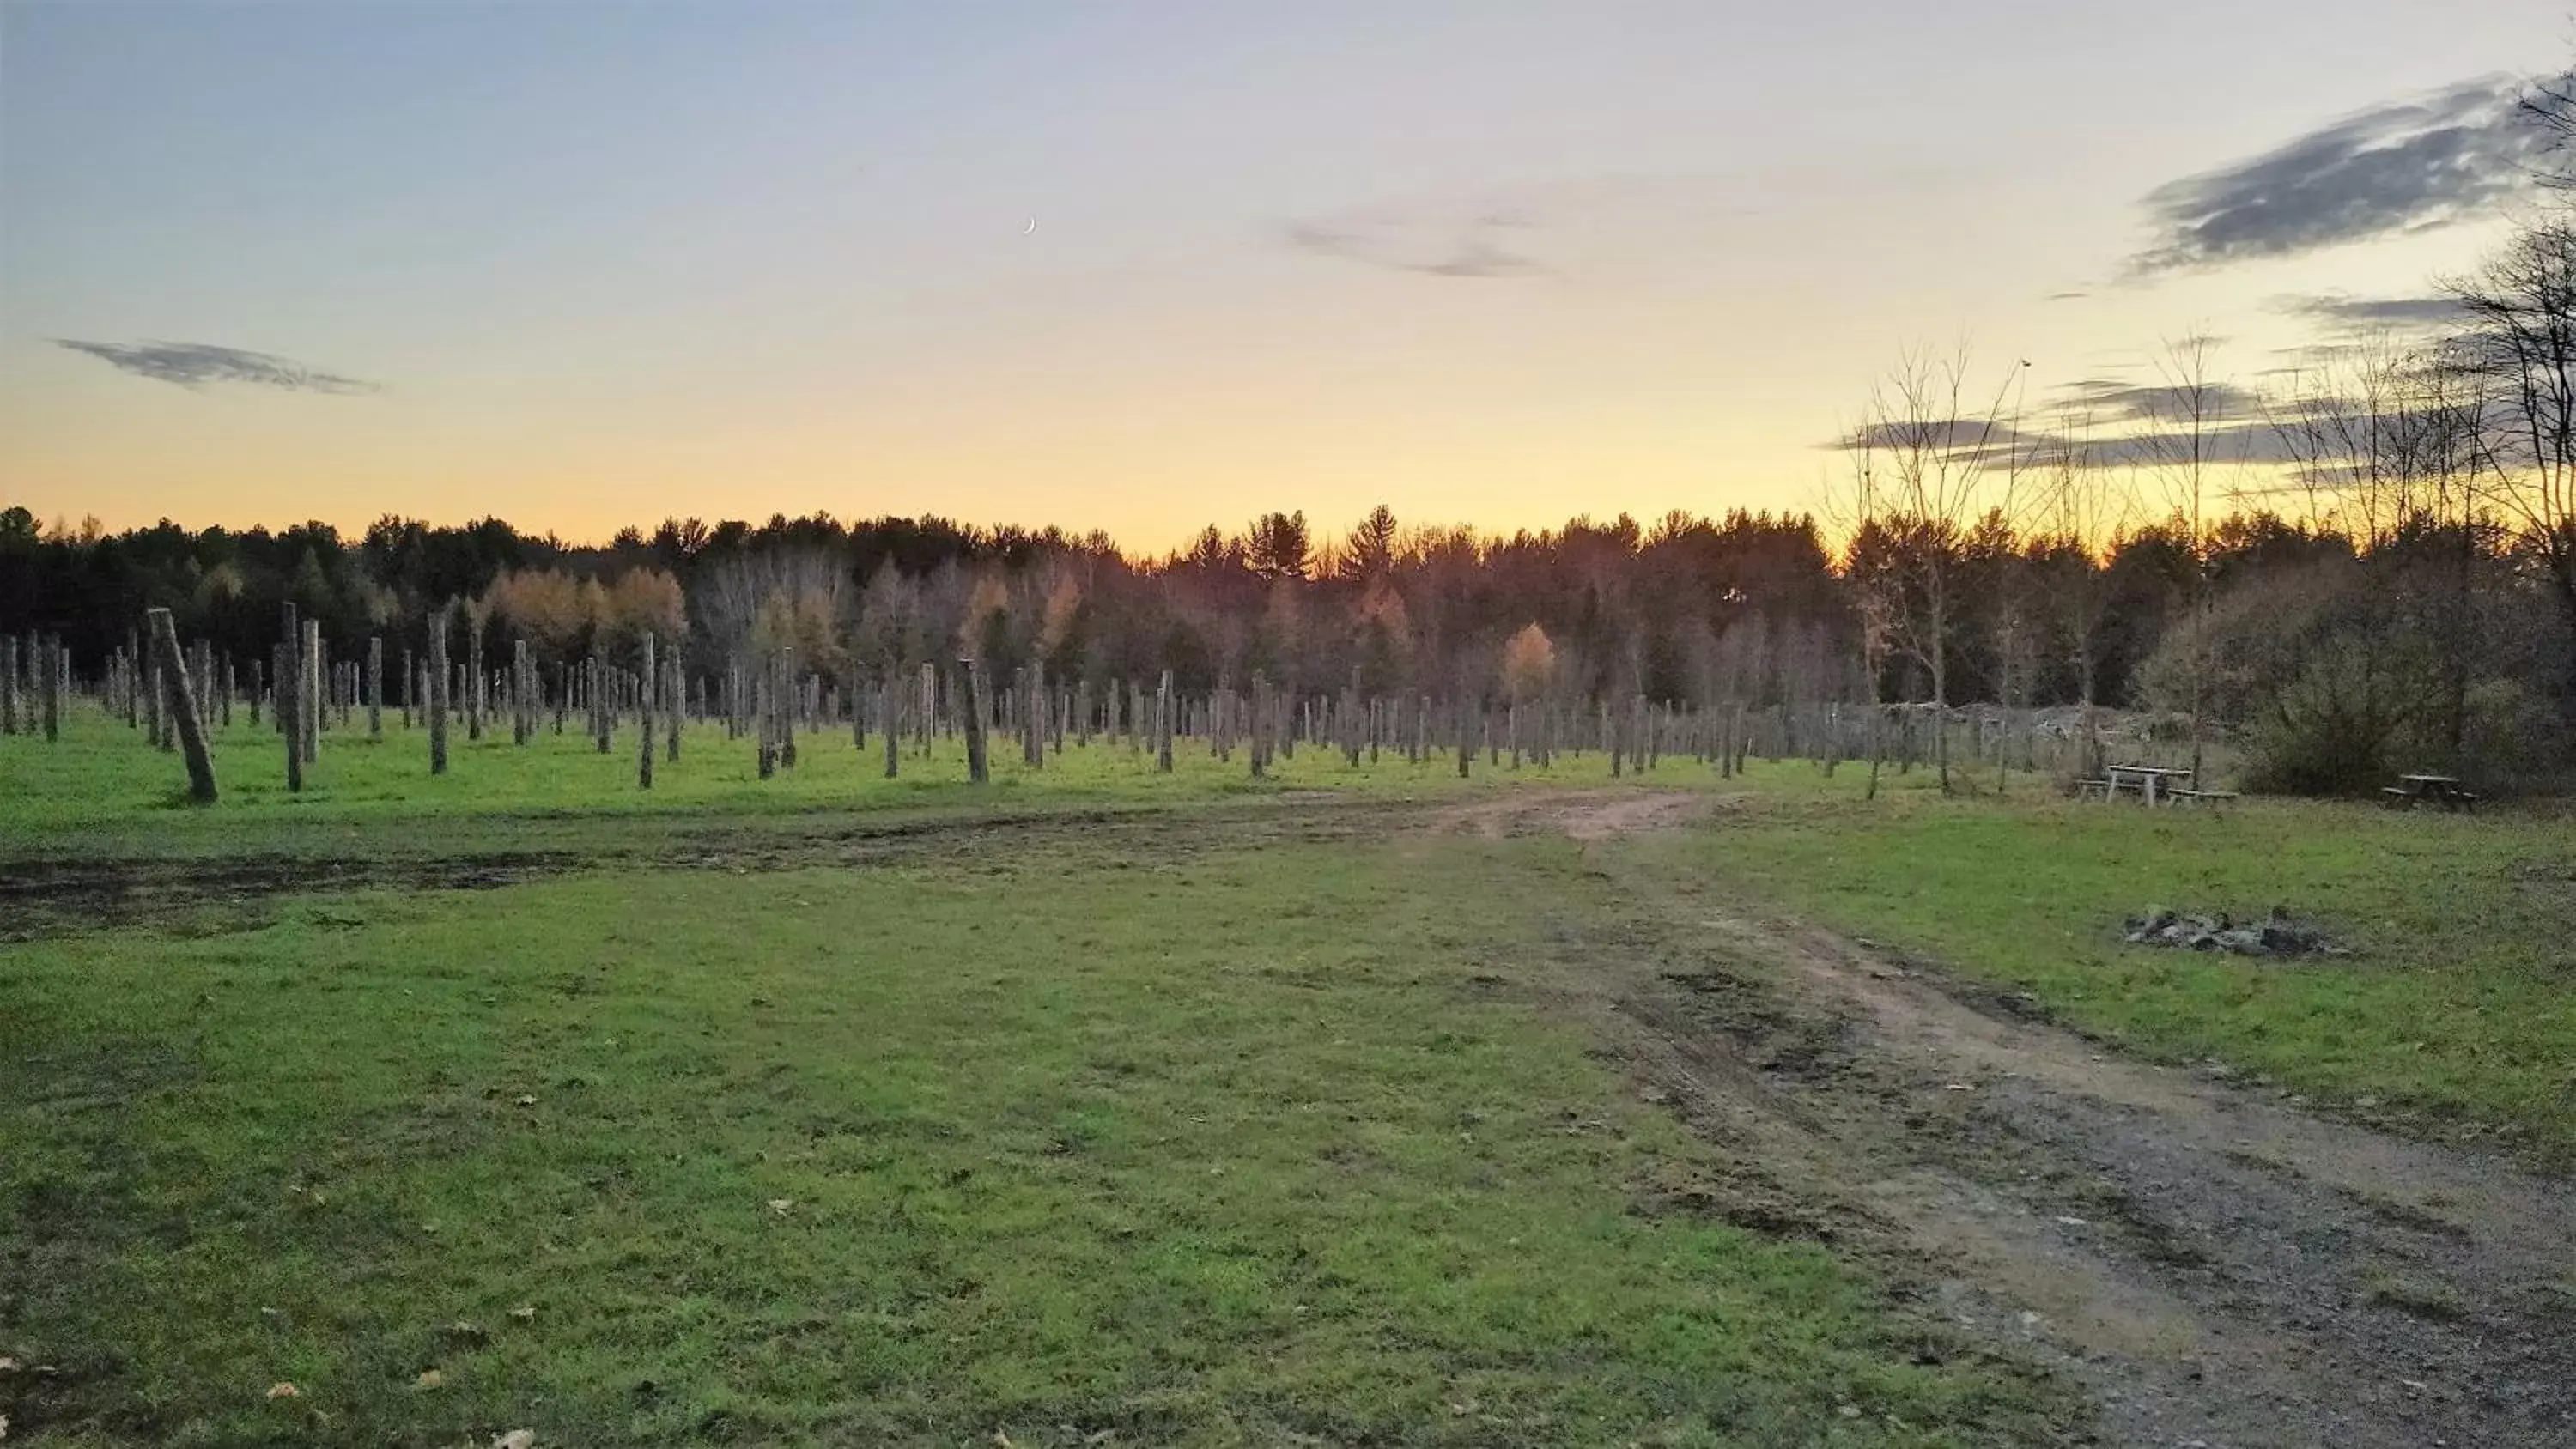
{"x":644,"y":703}
{"x":184,"y":719}
{"x":977,"y":768}
{"x":8,"y":684}
{"x":437,"y":672}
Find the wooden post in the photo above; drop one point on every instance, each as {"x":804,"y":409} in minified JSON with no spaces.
{"x":201,"y":674}
{"x":375,"y":686}
{"x":597,"y":684}
{"x":1466,"y":739}
{"x":676,"y":697}
{"x":761,"y":704}
{"x":1257,"y":747}
{"x":977,"y":768}
{"x":789,"y":698}
{"x":1163,"y":703}
{"x":287,"y":713}
{"x":184,"y":719}
{"x":437,"y":672}
{"x":523,"y":723}
{"x":891,"y":726}
{"x":473,"y":676}
{"x":153,"y":685}
{"x":644,"y":715}
{"x":308,"y":688}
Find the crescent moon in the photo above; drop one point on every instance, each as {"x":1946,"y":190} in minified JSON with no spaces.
{"x":1031,"y":228}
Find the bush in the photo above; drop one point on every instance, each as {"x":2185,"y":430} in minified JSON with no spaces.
{"x":2341,"y":719}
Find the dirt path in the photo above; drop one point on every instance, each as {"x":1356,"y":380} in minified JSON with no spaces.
{"x":2216,"y":1267}
{"x":1585,"y":815}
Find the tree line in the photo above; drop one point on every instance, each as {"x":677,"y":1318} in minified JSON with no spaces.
{"x":1761,"y":610}
{"x":2364,"y":563}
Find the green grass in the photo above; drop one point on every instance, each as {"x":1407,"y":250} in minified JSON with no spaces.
{"x":1195,"y":1131}
{"x":101,"y":776}
{"x":2462,"y":1004}
{"x":1077,"y":1145}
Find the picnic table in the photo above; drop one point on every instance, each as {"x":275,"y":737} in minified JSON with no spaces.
{"x":2443,"y":790}
{"x":2151,"y":784}
{"x":2147,"y":782}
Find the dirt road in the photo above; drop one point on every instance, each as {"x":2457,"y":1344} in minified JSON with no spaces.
{"x":2216,"y":1267}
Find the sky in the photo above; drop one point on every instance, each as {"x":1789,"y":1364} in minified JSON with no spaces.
{"x":1145,"y":267}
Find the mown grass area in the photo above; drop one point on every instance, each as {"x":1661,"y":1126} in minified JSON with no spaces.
{"x":1088,"y":1144}
{"x":2461,"y":1005}
{"x":101,"y":775}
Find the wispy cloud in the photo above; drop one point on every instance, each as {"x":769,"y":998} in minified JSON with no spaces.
{"x":2114,"y":400}
{"x":196,"y":364}
{"x":2400,"y":167}
{"x":1433,"y":241}
{"x":2341,"y":313}
{"x":2124,"y":424}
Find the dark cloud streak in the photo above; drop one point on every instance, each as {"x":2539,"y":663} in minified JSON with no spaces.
{"x":2400,"y":167}
{"x":2369,"y":314}
{"x":194,"y":365}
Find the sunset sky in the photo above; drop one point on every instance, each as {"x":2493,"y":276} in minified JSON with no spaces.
{"x":581,"y":262}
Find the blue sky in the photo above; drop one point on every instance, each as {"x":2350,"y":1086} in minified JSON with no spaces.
{"x":608,"y":261}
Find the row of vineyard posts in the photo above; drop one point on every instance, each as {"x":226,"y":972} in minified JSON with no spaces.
{"x":174,"y":694}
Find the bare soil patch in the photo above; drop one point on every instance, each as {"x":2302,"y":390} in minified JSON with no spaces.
{"x":1585,"y":815}
{"x":2212,"y":1264}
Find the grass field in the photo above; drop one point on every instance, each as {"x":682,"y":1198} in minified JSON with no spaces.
{"x":2461,"y":1005}
{"x":1190,"y":1141}
{"x":1172,"y":1114}
{"x":97,"y":779}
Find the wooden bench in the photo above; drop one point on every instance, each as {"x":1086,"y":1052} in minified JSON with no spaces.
{"x":2092,"y":789}
{"x":2200,"y":797}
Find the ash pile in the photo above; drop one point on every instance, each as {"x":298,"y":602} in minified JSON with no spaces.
{"x":2277,"y":934}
